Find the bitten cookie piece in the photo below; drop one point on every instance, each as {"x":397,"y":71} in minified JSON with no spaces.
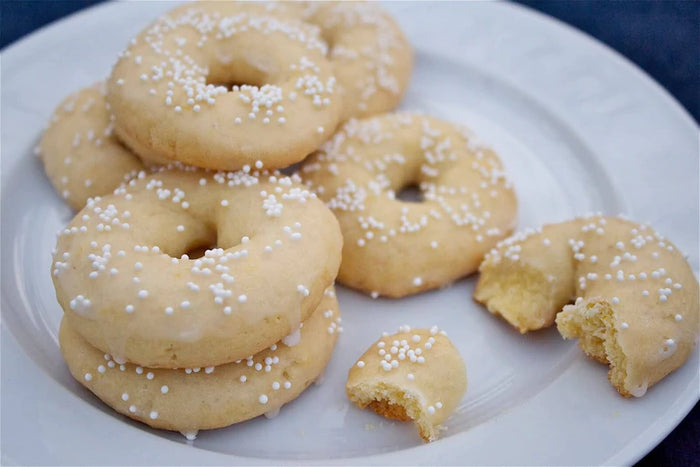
{"x":638,"y":304}
{"x":411,"y":375}
{"x":529,"y":277}
{"x":636,"y":297}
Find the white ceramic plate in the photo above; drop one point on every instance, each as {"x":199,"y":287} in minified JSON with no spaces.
{"x":579,"y":129}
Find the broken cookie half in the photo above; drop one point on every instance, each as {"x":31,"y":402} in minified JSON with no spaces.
{"x":637,"y":306}
{"x":413,"y":375}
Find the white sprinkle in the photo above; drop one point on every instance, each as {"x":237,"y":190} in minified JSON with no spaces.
{"x":164,"y":389}
{"x":125,"y":396}
{"x":262,"y":399}
{"x":153,"y":415}
{"x":360,"y":364}
{"x":88,"y":376}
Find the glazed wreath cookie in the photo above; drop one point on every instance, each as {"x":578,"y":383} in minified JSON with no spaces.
{"x":82,"y":157}
{"x":124,"y":279}
{"x":371,"y":58}
{"x":222,"y":86}
{"x":411,"y":375}
{"x":192,"y":399}
{"x":637,"y":298}
{"x":396,"y":248}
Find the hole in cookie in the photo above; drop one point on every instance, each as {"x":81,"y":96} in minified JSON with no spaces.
{"x":410,"y":194}
{"x":199,"y":247}
{"x":244,"y":73}
{"x":230,"y":84}
{"x":199,"y":251}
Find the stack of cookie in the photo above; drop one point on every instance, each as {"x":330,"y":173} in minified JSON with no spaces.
{"x":197,"y":280}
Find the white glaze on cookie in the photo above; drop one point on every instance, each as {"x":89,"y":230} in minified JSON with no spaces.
{"x":170,"y":104}
{"x":127,"y":286}
{"x":204,"y":398}
{"x":468,"y":204}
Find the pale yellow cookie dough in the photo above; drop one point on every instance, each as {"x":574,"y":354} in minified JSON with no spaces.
{"x":394,"y":247}
{"x":81,"y":155}
{"x":415,"y":374}
{"x":120,"y":275}
{"x":528,"y":277}
{"x":198,"y":398}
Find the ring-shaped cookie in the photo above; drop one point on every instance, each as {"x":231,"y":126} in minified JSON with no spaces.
{"x":81,"y":155}
{"x":394,"y":247}
{"x":192,"y":399}
{"x":636,"y":301}
{"x":119,"y":273}
{"x":175,"y":90}
{"x":371,"y":57}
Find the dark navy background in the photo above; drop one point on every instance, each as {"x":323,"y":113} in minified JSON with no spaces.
{"x":661,"y":37}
